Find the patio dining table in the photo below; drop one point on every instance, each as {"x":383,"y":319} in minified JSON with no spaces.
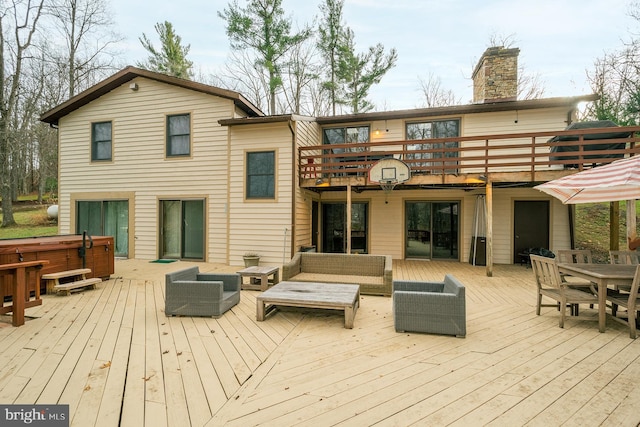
{"x":603,"y":275}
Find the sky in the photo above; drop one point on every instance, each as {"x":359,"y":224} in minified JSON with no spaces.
{"x":559,"y":40}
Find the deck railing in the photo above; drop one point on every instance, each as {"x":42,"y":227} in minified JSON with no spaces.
{"x":483,"y":154}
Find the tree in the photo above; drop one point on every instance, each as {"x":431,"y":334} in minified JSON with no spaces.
{"x":86,"y":29}
{"x":616,"y":79}
{"x":171,"y":59}
{"x":360,"y":71}
{"x":18,"y":25}
{"x":300,"y":76}
{"x":262,"y":27}
{"x":434,"y":95}
{"x":254,"y":84}
{"x":331,"y":42}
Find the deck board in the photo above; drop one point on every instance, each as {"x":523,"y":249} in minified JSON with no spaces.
{"x":116,"y":359}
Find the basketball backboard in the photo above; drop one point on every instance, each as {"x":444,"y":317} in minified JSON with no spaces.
{"x":389,"y":171}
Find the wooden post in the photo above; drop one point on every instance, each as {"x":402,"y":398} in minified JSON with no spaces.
{"x":614,"y":226}
{"x":348,"y":219}
{"x":19,"y":293}
{"x":631,"y":220}
{"x":489,"y":237}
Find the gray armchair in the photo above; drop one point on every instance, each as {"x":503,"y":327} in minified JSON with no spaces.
{"x":431,"y":307}
{"x":191,"y":293}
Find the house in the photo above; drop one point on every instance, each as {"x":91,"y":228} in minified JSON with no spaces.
{"x":182,"y":170}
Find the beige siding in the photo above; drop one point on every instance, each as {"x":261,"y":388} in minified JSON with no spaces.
{"x":262,"y":226}
{"x":510,"y":122}
{"x":307,"y":133}
{"x":139,"y":164}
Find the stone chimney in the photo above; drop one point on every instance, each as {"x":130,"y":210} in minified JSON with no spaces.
{"x":495,"y":78}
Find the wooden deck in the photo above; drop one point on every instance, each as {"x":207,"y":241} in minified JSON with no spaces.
{"x":116,"y":359}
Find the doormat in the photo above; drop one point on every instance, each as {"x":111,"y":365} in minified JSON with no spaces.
{"x":163,"y":261}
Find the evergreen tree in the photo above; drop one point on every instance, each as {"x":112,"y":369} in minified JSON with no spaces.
{"x":360,"y":71}
{"x":261,"y":26}
{"x":331,"y":39}
{"x":171,"y":59}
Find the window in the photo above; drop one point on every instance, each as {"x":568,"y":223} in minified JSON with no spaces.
{"x":429,"y":130}
{"x":101,"y":141}
{"x":179,"y":135}
{"x":346,"y":135}
{"x":261,"y":167}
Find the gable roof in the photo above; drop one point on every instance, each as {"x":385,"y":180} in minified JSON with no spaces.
{"x":129,"y":73}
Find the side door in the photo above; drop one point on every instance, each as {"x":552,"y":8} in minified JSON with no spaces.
{"x":530,"y":226}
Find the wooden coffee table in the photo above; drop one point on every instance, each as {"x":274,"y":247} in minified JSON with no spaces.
{"x":334,"y":296}
{"x":261,"y":273}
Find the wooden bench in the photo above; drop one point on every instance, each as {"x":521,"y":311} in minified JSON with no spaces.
{"x":66,"y":281}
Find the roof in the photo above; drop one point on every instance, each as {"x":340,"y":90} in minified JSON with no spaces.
{"x":284,"y":118}
{"x":486,"y":107}
{"x":129,"y":73}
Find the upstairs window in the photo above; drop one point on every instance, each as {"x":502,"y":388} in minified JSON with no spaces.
{"x":261,"y":175}
{"x":101,"y":141}
{"x":422,"y":131}
{"x":179,"y":135}
{"x":346,"y":135}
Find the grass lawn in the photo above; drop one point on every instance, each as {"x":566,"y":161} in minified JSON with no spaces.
{"x":592,"y":228}
{"x":32,"y":221}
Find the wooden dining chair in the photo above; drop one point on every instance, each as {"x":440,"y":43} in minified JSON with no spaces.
{"x":630,"y":301}
{"x":550,"y":284}
{"x":623,"y":257}
{"x":577,"y":256}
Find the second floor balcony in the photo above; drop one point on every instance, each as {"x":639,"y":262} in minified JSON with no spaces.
{"x":532,"y":157}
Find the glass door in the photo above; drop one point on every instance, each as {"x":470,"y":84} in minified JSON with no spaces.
{"x":182,"y":229}
{"x":105,"y":218}
{"x":445,"y":230}
{"x":334,"y":227}
{"x":431,"y":230}
{"x":418,"y":230}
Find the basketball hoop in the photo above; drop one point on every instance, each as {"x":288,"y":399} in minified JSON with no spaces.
{"x":388,"y":173}
{"x":387,"y":186}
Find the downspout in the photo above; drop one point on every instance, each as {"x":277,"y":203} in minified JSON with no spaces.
{"x":294,"y":177}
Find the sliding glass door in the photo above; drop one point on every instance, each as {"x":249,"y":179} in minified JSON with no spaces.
{"x":334,"y":227}
{"x":182,"y":229}
{"x":431,"y":230}
{"x":105,"y":218}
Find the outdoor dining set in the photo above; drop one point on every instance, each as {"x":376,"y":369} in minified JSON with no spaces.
{"x":571,"y":279}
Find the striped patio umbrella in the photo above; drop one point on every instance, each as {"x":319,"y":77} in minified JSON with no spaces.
{"x":619,"y":180}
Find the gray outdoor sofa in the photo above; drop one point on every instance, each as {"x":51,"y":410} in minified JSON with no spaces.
{"x":431,"y":307}
{"x":191,"y":293}
{"x":372,"y":272}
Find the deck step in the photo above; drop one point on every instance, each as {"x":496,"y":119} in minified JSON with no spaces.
{"x":53,"y":280}
{"x":66,"y":288}
{"x":67,"y":273}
